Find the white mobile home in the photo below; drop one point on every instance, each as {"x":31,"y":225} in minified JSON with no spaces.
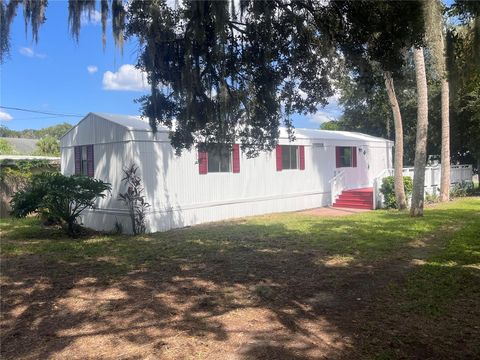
{"x":198,"y":187}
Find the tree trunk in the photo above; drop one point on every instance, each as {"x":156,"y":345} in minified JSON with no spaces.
{"x":434,"y":29}
{"x":445,"y":156}
{"x":398,"y":160}
{"x":418,"y":193}
{"x":71,"y":228}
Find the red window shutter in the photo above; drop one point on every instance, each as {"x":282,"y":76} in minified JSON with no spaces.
{"x":338,"y":156}
{"x":236,"y":158}
{"x":202,"y":162}
{"x":302,"y":157}
{"x":279,"y":157}
{"x":78,"y":159}
{"x":90,"y":161}
{"x":354,"y":156}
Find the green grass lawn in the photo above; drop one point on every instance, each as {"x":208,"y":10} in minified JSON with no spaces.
{"x":422,"y":273}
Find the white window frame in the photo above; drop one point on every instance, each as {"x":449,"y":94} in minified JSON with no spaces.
{"x":289,"y":148}
{"x":229,"y":161}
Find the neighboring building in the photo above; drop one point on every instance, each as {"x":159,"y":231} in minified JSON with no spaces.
{"x":198,"y":187}
{"x":22,"y":146}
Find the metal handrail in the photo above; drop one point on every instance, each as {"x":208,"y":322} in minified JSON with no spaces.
{"x":336,"y":180}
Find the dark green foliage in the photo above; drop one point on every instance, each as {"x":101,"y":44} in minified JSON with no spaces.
{"x":463,"y":47}
{"x":462,"y":189}
{"x":367,"y":110}
{"x":134,"y":199}
{"x":388,"y":190}
{"x":372,"y":33}
{"x":33,"y":14}
{"x":59,"y":197}
{"x":224,"y":78}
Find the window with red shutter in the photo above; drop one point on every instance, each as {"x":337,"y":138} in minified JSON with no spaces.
{"x":202,"y":162}
{"x":278,"y":151}
{"x":90,"y":161}
{"x":78,"y":159}
{"x":236,"y":158}
{"x":302,"y":157}
{"x":338,"y":156}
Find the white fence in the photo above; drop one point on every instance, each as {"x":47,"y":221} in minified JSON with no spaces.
{"x":458,"y":174}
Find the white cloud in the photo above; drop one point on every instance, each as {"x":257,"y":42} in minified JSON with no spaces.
{"x":330,"y":112}
{"x":127,"y":78}
{"x":5,"y":116}
{"x":321,"y":117}
{"x":92,"y":18}
{"x":92,"y":69}
{"x":29,"y":52}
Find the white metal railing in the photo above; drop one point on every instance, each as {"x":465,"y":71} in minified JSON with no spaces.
{"x":458,"y":174}
{"x":337,"y":185}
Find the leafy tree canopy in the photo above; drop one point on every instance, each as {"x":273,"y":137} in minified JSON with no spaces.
{"x":230,"y":75}
{"x":367,"y":109}
{"x":330,"y":125}
{"x":55,"y":131}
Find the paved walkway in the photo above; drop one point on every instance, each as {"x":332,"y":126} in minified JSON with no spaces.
{"x":333,"y":211}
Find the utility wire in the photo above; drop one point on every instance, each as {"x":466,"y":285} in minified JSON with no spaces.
{"x":39,"y":112}
{"x":41,"y":118}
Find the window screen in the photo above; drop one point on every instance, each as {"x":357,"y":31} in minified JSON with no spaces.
{"x":84,"y":163}
{"x":289,"y":157}
{"x":219,"y":159}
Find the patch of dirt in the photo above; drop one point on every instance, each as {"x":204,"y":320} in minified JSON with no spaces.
{"x":253,"y":305}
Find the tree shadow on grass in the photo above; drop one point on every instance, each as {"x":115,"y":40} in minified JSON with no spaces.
{"x":256,"y":290}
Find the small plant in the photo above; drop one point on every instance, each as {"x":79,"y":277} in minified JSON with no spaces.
{"x":462,"y":189}
{"x":134,"y":199}
{"x":431,"y":198}
{"x":388,"y":190}
{"x":57,"y":196}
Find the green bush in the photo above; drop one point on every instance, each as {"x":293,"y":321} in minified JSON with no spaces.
{"x":6,"y":148}
{"x":462,"y":189}
{"x":388,"y":190}
{"x":58,"y":197}
{"x":48,"y":146}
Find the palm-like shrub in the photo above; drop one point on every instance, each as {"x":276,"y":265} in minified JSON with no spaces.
{"x":134,"y":199}
{"x":59,"y":196}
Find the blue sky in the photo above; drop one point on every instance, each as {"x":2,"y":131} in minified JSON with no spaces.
{"x":61,"y":76}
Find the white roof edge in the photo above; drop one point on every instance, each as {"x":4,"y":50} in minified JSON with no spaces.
{"x":74,"y":126}
{"x":134,"y":123}
{"x":130,"y":122}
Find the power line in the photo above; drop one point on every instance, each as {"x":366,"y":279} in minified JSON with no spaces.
{"x":39,"y":112}
{"x":40,"y":118}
